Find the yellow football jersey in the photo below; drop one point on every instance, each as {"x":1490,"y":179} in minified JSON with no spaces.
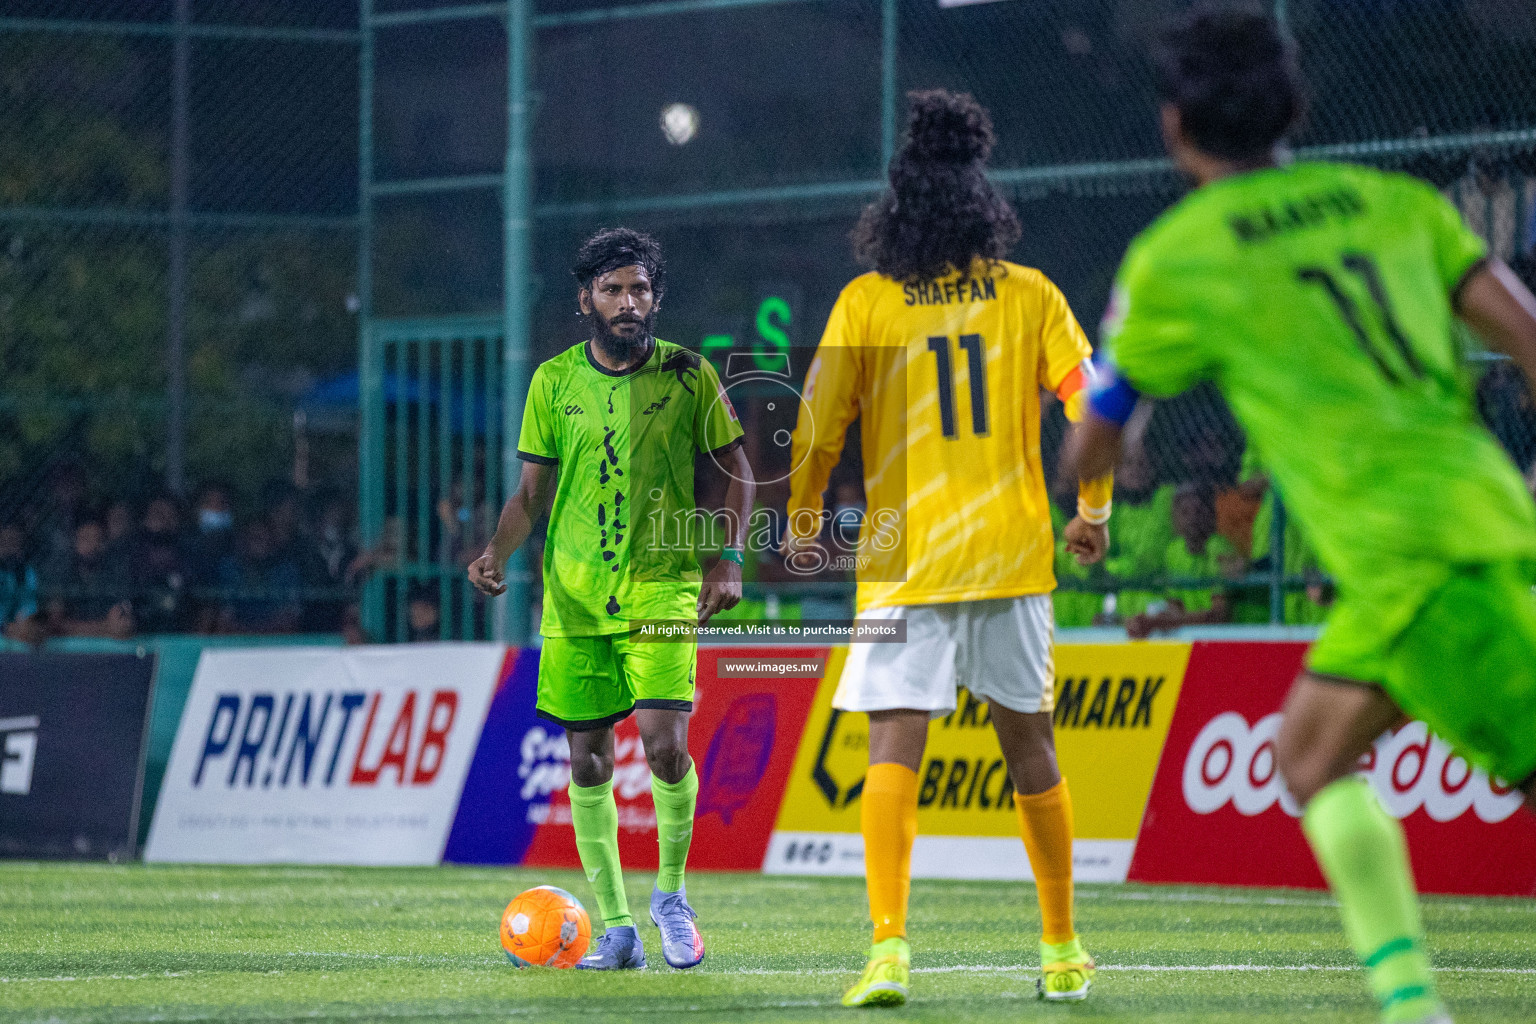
{"x":945,"y":377}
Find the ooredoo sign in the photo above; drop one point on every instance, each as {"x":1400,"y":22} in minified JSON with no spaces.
{"x":1233,"y":763}
{"x":1219,"y":812}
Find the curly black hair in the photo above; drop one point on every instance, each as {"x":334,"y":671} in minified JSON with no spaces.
{"x":1231,"y":72}
{"x":940,"y":211}
{"x":612,"y":248}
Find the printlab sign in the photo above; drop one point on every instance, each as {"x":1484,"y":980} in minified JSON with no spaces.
{"x":323,"y":756}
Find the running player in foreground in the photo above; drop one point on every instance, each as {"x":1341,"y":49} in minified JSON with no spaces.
{"x":612,"y":427}
{"x":1320,"y":298}
{"x":942,"y":350}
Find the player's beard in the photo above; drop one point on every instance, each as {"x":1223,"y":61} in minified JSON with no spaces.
{"x":621,"y":348}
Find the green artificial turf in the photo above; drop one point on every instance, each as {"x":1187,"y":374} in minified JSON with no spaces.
{"x":87,"y":942}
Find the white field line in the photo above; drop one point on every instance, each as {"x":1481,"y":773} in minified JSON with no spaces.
{"x":1199,"y":969}
{"x":1507,"y":906}
{"x":825,"y":971}
{"x":1204,"y":897}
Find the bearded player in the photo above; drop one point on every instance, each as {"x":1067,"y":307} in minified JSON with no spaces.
{"x":1320,"y":299}
{"x":942,"y":350}
{"x":611,"y":429}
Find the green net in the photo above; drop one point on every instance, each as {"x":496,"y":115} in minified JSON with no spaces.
{"x":746,"y":133}
{"x":210,"y":197}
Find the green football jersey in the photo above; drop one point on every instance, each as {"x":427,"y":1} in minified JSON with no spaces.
{"x":1318,"y":299}
{"x":624,"y":527}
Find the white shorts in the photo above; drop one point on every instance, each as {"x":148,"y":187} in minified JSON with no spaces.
{"x":999,"y":650}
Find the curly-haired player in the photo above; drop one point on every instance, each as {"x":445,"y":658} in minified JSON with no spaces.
{"x":612,"y":427}
{"x":942,"y":351}
{"x":1321,"y":300}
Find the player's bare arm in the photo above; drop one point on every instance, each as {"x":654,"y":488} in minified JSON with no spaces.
{"x":722,"y":587}
{"x":1087,"y":535}
{"x":522,"y":510}
{"x":1501,"y":309}
{"x":1092,"y":449}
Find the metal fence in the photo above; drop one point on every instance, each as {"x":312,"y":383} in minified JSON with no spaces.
{"x":748,"y":133}
{"x":222,"y":221}
{"x":178,"y":245}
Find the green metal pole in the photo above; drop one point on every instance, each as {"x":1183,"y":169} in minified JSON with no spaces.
{"x":370,"y":438}
{"x":176,"y":313}
{"x":887,"y":84}
{"x":511,"y":620}
{"x":1277,"y":563}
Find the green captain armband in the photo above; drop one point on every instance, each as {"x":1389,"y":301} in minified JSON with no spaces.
{"x":732,"y":555}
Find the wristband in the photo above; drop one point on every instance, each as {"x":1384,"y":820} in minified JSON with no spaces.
{"x":732,"y":555}
{"x":1095,"y":516}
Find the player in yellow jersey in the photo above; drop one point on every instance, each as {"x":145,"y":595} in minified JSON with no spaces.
{"x":942,"y":352}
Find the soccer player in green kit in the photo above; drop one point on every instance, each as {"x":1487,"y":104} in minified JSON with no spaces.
{"x":1319,"y":298}
{"x":612,"y":427}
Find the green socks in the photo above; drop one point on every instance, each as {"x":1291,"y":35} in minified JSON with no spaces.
{"x":1362,"y":853}
{"x":596,"y":819}
{"x":675,"y":803}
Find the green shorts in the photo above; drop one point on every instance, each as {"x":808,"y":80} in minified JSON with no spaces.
{"x":591,"y":682}
{"x":1453,"y":646}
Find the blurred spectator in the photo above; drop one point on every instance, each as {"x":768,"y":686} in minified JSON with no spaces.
{"x":383,"y":555}
{"x":352,"y":631}
{"x":333,"y":552}
{"x":63,"y":508}
{"x":19,"y":618}
{"x":1237,"y":507}
{"x":261,"y":585}
{"x":1506,"y":407}
{"x":333,"y":537}
{"x":163,"y":567}
{"x":283,"y":509}
{"x":1491,"y":202}
{"x":1299,"y":607}
{"x":423,"y":617}
{"x":1197,"y":553}
{"x":213,"y":532}
{"x":119,"y":524}
{"x":86,"y":588}
{"x":1141,"y":528}
{"x":455,"y":537}
{"x":1194,"y":447}
{"x":157,"y":570}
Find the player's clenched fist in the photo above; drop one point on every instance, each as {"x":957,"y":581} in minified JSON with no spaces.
{"x":721,"y":590}
{"x":486,"y":574}
{"x":1088,"y":541}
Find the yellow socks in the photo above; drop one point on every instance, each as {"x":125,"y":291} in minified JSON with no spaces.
{"x":888,"y":819}
{"x":1045,"y":822}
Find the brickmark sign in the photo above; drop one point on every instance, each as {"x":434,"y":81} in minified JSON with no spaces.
{"x":1113,"y":709}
